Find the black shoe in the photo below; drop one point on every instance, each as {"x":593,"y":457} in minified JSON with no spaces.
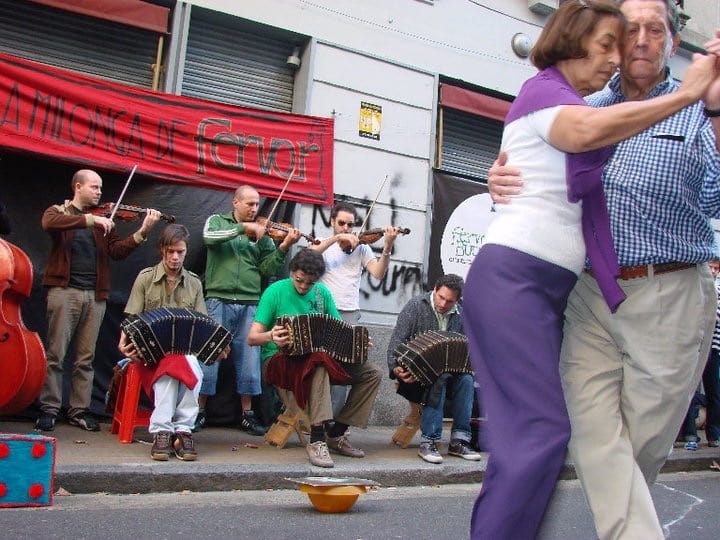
{"x":251,"y":425}
{"x":85,"y":421}
{"x":199,"y":422}
{"x":45,"y":422}
{"x":462,"y":449}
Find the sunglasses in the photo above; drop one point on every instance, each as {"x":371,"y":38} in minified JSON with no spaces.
{"x":343,"y":223}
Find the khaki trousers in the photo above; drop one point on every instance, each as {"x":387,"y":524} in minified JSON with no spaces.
{"x":71,"y":314}
{"x":628,"y":378}
{"x":364,"y":384}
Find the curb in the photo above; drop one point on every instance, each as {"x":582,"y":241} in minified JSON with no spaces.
{"x":156,"y":478}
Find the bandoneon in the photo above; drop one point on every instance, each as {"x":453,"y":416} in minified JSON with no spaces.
{"x":316,"y":332}
{"x":432,"y":353}
{"x":163,"y":331}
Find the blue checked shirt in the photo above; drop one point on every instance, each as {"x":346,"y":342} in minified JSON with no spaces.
{"x":662,"y":185}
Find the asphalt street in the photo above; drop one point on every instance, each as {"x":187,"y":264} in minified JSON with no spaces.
{"x":687,"y":504}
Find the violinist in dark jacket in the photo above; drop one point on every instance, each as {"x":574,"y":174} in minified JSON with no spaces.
{"x":78,"y":279}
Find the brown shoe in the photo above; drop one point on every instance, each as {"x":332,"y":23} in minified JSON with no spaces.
{"x":341,"y":445}
{"x":184,"y":446}
{"x":162,"y":446}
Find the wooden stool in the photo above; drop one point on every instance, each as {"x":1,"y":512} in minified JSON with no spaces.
{"x":292,"y":419}
{"x":127,"y":416}
{"x":411,"y":423}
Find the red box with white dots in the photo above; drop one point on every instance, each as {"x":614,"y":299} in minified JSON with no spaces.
{"x":27,"y":469}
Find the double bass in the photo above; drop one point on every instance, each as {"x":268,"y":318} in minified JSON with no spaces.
{"x":22,"y":355}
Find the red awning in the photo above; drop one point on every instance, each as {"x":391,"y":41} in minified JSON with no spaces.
{"x":131,"y":12}
{"x":473,"y":102}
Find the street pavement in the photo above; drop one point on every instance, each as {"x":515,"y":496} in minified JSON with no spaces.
{"x":230,"y":459}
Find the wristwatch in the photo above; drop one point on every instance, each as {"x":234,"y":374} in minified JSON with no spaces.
{"x":711,"y":113}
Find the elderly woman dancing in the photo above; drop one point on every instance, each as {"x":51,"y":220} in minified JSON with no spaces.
{"x":519,"y":283}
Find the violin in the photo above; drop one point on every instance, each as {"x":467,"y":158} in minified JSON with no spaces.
{"x":21,"y":351}
{"x":125,"y":212}
{"x":369,"y":237}
{"x":278,"y":231}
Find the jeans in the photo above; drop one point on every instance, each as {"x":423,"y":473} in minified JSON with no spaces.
{"x":463,"y":392}
{"x":711,"y":384}
{"x":246,"y":359}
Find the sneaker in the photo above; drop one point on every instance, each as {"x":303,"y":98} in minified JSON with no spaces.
{"x":341,"y":445}
{"x":84,"y":421}
{"x":319,"y":455}
{"x":45,"y":422}
{"x":251,"y":425}
{"x":429,"y":452}
{"x":199,"y":422}
{"x":184,"y":446}
{"x":162,"y":446}
{"x":462,"y":449}
{"x":691,"y":445}
{"x":713,"y":444}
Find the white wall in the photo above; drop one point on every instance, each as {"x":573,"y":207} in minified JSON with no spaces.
{"x":468,"y":40}
{"x":340,"y":80}
{"x":390,"y":53}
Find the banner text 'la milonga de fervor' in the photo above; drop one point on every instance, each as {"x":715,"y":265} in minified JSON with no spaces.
{"x":102,"y":124}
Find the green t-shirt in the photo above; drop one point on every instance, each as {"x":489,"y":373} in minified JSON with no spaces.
{"x":281,"y":298}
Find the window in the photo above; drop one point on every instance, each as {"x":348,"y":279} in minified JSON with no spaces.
{"x":470,"y":126}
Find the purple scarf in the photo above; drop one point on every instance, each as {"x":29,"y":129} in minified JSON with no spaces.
{"x":549,"y":88}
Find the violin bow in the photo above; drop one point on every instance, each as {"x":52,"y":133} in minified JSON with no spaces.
{"x":277,"y":201}
{"x":367,"y":216}
{"x":122,"y":193}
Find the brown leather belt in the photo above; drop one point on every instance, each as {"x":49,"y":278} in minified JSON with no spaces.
{"x":632,"y":272}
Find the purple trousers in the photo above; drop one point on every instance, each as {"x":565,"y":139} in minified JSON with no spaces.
{"x":513,"y":306}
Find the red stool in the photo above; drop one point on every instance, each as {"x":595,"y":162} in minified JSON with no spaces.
{"x":127,"y":416}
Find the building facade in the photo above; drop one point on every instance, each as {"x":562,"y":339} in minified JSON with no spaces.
{"x":417,"y":90}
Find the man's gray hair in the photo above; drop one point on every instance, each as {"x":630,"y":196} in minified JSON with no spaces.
{"x":674,"y":20}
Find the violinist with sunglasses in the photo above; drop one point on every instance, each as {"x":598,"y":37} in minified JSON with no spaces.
{"x":344,"y":269}
{"x":345,"y":257}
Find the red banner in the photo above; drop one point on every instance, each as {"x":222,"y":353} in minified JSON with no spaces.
{"x":97,"y":123}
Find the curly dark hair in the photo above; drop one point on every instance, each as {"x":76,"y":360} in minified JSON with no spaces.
{"x":309,"y":262}
{"x":343,"y":206}
{"x":452,"y":282}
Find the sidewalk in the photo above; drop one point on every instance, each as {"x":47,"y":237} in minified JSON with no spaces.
{"x":229,"y":459}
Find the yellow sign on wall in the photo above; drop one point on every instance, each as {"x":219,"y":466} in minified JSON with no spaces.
{"x":370,"y":120}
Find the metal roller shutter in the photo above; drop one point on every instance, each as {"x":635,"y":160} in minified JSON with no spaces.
{"x":470,"y":143}
{"x":229,"y":61}
{"x":85,"y":44}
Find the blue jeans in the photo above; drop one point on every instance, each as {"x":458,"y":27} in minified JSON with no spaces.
{"x":711,"y":384}
{"x":463,"y":392}
{"x":237,"y":318}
